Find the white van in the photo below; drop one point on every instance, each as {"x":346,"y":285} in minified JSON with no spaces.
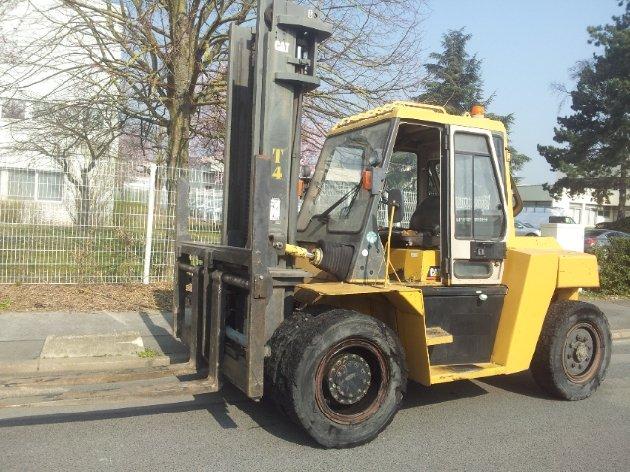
{"x":537,"y":216}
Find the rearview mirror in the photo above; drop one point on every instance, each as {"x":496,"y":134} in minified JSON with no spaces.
{"x":395,"y":204}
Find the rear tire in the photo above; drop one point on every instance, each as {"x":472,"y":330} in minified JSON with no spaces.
{"x":339,"y":374}
{"x":573,"y":351}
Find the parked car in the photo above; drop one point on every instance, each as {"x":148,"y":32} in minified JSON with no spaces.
{"x":525,"y":229}
{"x":567,"y":220}
{"x":622,"y":225}
{"x":597,"y":238}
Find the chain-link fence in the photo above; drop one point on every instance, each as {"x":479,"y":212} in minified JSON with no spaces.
{"x":113,"y":223}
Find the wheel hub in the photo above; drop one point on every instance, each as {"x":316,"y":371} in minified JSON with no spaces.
{"x":349,"y":378}
{"x":580,"y":351}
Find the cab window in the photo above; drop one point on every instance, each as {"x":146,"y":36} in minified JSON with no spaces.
{"x":478,"y":208}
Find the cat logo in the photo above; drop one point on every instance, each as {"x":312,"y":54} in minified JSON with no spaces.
{"x":282,"y":46}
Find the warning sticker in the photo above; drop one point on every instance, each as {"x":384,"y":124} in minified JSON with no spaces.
{"x":274,"y":209}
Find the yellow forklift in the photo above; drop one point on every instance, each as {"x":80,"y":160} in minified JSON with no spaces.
{"x":398,"y":262}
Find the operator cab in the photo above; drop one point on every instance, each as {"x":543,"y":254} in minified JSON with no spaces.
{"x":448,"y":176}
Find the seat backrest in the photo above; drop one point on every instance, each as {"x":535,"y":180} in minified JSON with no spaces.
{"x":426,"y":218}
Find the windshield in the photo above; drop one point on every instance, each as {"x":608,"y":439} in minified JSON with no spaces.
{"x":335,"y":195}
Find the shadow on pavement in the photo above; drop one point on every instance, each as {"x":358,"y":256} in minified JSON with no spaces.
{"x":263,"y":414}
{"x":164,"y":338}
{"x":418,"y":395}
{"x":266,"y":416}
{"x":522,"y":383}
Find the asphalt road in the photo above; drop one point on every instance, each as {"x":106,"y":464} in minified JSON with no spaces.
{"x":502,"y":423}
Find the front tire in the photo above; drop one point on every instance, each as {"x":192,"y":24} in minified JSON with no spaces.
{"x":573,"y":351}
{"x":340,"y":375}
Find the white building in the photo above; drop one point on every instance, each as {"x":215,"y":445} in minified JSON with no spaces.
{"x":42,"y":68}
{"x":582,"y":208}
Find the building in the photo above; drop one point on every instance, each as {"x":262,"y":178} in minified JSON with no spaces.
{"x":46,"y":171}
{"x":582,"y":208}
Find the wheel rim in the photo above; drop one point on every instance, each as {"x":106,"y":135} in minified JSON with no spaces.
{"x":351,"y":381}
{"x":582,"y":354}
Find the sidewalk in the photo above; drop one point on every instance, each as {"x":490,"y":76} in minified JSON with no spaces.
{"x":618,"y":314}
{"x":50,"y":342}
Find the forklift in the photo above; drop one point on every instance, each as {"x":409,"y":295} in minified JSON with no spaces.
{"x":397,"y":261}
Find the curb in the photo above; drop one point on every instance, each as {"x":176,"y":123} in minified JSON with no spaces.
{"x":83,"y":364}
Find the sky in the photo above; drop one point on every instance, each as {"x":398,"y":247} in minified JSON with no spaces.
{"x":526,"y":46}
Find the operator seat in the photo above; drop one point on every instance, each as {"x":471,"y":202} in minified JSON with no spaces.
{"x":426,"y":221}
{"x":426,"y":218}
{"x":424,"y":227}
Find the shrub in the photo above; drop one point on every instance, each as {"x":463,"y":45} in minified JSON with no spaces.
{"x":614,"y":267}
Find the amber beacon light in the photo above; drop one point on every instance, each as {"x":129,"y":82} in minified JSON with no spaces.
{"x":477,"y":111}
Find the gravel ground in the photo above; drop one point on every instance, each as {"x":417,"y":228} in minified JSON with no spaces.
{"x":83,"y":298}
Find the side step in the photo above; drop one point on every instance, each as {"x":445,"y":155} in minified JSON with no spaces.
{"x":449,"y":373}
{"x":437,"y":335}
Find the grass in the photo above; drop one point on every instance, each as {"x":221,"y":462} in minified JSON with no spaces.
{"x":5,"y":304}
{"x":148,"y":353}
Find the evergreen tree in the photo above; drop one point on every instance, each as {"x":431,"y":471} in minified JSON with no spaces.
{"x":454,"y":76}
{"x":594,"y":154}
{"x":454,"y":82}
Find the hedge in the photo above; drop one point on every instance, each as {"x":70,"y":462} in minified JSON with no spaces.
{"x":614,"y":267}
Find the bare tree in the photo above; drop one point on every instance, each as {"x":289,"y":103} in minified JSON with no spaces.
{"x":162,"y":62}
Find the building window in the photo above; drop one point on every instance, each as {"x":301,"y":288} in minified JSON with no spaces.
{"x":21,"y":185}
{"x":14,"y":109}
{"x":49,"y":186}
{"x":24,"y":184}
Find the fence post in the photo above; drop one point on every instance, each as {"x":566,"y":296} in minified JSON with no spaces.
{"x":149,"y":230}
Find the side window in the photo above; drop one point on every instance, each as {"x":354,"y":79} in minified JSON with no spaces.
{"x":478,"y":209}
{"x":402,"y":174}
{"x":403,"y":171}
{"x":499,"y":147}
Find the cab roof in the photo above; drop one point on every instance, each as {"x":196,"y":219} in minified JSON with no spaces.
{"x":414,"y":111}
